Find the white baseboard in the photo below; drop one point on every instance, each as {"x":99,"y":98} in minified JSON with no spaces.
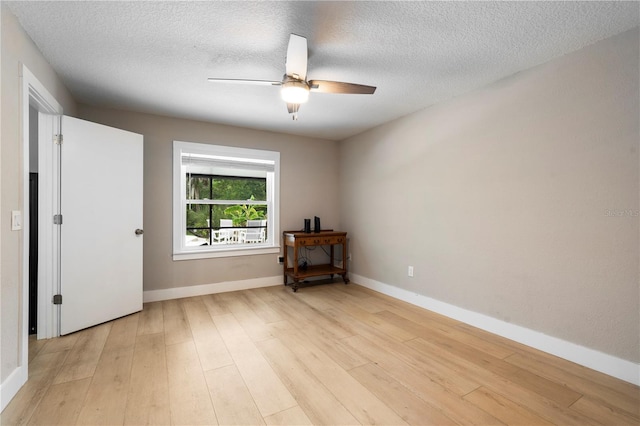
{"x":200,"y":290}
{"x":596,"y":360}
{"x":12,"y":384}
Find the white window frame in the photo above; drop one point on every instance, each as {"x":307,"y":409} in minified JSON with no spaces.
{"x":183,"y":252}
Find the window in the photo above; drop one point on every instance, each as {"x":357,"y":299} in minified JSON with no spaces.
{"x":225,"y":201}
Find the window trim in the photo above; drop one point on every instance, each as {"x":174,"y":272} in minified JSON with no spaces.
{"x":179,"y":250}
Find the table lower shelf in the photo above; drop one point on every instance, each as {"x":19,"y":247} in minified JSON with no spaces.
{"x":314,"y":271}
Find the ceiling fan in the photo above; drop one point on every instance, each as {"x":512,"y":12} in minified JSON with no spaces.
{"x":295,"y":86}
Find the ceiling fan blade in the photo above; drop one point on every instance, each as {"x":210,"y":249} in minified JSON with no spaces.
{"x":296,"y":63}
{"x":240,"y":81}
{"x":324,"y":86}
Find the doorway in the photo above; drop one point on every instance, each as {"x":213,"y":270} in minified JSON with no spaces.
{"x":33,"y":220}
{"x":33,"y":253}
{"x":41,"y":117}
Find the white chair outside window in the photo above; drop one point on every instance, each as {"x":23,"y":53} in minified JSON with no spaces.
{"x":255,"y":232}
{"x":226,"y":234}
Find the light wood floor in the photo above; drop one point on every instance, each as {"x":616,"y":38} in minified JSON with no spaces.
{"x":328,"y":354}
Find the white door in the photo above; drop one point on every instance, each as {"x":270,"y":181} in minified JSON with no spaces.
{"x":101,"y":206}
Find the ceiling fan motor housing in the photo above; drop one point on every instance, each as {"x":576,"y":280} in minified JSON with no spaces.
{"x":294,"y":90}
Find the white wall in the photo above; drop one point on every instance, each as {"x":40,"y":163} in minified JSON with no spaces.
{"x":518,"y":201}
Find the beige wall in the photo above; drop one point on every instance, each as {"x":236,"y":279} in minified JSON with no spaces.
{"x":308,"y":187}
{"x":501,"y":199}
{"x":17,"y":49}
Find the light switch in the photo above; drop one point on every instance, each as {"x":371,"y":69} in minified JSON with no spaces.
{"x":16,"y":220}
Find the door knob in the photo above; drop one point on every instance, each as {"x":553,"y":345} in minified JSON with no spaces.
{"x":139,"y":231}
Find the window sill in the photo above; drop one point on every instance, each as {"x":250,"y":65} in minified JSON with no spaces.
{"x":201,"y":254}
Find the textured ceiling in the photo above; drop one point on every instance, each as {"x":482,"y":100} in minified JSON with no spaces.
{"x":156,"y":56}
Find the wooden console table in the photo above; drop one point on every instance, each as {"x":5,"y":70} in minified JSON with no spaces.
{"x":297,"y":239}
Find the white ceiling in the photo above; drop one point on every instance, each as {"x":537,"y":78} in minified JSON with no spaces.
{"x":155,"y":56}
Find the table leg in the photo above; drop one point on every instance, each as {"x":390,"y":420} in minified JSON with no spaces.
{"x":331,"y":256}
{"x":285,"y":264}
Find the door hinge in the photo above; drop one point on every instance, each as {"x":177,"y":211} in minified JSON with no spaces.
{"x":57,"y":299}
{"x":57,"y":219}
{"x":57,"y":139}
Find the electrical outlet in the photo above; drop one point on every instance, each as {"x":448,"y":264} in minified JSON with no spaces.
{"x":280,"y":259}
{"x":410,"y":271}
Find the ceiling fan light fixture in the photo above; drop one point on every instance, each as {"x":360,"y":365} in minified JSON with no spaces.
{"x":295,"y":92}
{"x":294,"y":87}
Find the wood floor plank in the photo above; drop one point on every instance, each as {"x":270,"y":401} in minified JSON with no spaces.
{"x":302,"y":315}
{"x":260,"y":307}
{"x":215,"y":305}
{"x":268,"y":391}
{"x":412,"y":409}
{"x":628,"y":402}
{"x":151,"y":319}
{"x":317,"y":402}
{"x":344,"y":355}
{"x":315,"y":298}
{"x":359,"y":400}
{"x":24,"y":404}
{"x":539,"y":405}
{"x":252,"y":324}
{"x":107,"y":394}
{"x":199,"y":320}
{"x":268,"y":294}
{"x":351,"y":294}
{"x":495,"y":339}
{"x":400,"y":360}
{"x":373,"y":320}
{"x":547,"y":388}
{"x":84,"y":355}
{"x":176,"y":326}
{"x":503,"y":408}
{"x":35,"y":346}
{"x":426,"y":327}
{"x":378,"y":347}
{"x":231,"y":399}
{"x":47,"y":361}
{"x":189,"y":399}
{"x":123,"y":333}
{"x":596,"y":377}
{"x":61,"y":404}
{"x":424,"y":386}
{"x":212,"y":351}
{"x":61,"y":343}
{"x":291,"y":416}
{"x":148,"y":395}
{"x":604,"y":414}
{"x":409,"y":311}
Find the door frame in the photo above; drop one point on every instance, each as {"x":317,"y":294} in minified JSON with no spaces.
{"x":32,"y":92}
{"x":35,"y":94}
